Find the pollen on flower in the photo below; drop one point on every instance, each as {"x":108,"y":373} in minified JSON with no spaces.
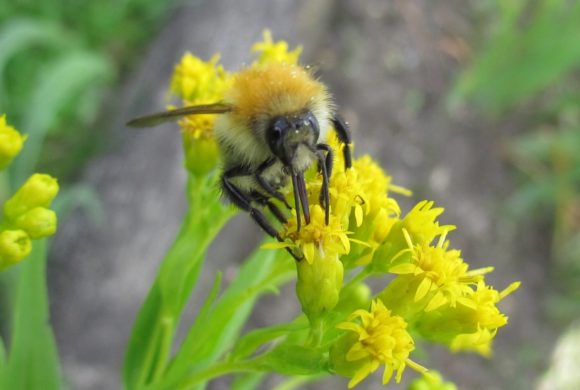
{"x":317,"y":238}
{"x":436,"y":273}
{"x":482,"y":311}
{"x":472,"y":324}
{"x":421,"y":222}
{"x":271,"y":51}
{"x":199,"y":82}
{"x":382,"y":340}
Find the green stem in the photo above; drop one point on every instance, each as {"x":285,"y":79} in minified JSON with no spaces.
{"x":167,"y":328}
{"x":149,"y":360}
{"x":316,"y":333}
{"x":357,"y":278}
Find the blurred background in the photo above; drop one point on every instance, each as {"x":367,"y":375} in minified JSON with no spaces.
{"x":473,"y":104}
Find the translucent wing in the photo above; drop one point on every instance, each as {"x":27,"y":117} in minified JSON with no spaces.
{"x":171,"y":115}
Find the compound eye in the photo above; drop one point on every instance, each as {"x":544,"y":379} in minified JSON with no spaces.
{"x":313,"y":123}
{"x":275,"y":133}
{"x":279,"y":126}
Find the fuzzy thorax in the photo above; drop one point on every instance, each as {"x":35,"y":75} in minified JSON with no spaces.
{"x":260,"y":93}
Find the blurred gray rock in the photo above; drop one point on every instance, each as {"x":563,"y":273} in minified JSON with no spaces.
{"x":387,"y":66}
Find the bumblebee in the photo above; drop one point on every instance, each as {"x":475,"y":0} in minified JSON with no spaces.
{"x":273,"y":126}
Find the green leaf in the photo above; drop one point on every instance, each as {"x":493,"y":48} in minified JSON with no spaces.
{"x":2,"y":357}
{"x":23,"y":34}
{"x":520,"y":61}
{"x":259,"y":275}
{"x":256,"y":338}
{"x":62,"y":80}
{"x":247,"y":381}
{"x":152,"y":336}
{"x":33,"y":358}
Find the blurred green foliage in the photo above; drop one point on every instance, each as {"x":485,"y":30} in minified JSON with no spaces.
{"x":57,"y":60}
{"x":529,"y":67}
{"x":533,"y":45}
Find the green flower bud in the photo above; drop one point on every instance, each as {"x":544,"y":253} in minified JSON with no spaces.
{"x":38,"y":223}
{"x":357,"y":296}
{"x":38,"y":191}
{"x":10,"y":143}
{"x":201,"y":155}
{"x":14,"y":246}
{"x":318,"y":286}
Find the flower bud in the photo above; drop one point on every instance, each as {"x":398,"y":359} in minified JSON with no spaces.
{"x":318,"y":286}
{"x":10,"y":143}
{"x":38,"y":223}
{"x":352,"y":298}
{"x":14,"y":246}
{"x":201,"y":154}
{"x":38,"y":191}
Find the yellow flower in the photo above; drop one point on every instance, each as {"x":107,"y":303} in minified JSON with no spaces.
{"x":320,"y":273}
{"x":360,"y":197}
{"x":434,"y":276}
{"x":271,"y":51}
{"x":472,"y":324}
{"x":198,"y":82}
{"x":481,"y":310}
{"x":420,"y":224}
{"x":317,"y":239}
{"x":381,"y":340}
{"x":10,"y":142}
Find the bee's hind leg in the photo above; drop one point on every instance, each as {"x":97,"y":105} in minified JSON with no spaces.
{"x":243,"y":200}
{"x":343,"y":133}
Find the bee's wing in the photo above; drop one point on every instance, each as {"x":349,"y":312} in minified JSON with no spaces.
{"x":171,"y":115}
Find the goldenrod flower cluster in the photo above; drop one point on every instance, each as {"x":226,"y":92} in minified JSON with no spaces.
{"x":429,"y":290}
{"x":433,"y":295}
{"x":198,"y":82}
{"x":25,"y":216}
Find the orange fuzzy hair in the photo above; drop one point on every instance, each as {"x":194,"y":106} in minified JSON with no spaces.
{"x":274,"y":89}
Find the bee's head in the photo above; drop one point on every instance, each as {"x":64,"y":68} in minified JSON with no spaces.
{"x":291,"y":136}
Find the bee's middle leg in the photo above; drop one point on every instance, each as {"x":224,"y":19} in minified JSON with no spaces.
{"x":244,"y":200}
{"x":266,"y":186}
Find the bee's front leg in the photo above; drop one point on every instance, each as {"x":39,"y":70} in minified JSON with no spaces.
{"x":343,"y":133}
{"x":325,"y":168}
